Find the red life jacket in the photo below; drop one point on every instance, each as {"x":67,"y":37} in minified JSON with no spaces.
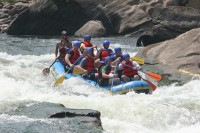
{"x":87,"y":44}
{"x":62,"y":51}
{"x":61,"y":57}
{"x":105,"y":53}
{"x":90,"y":64}
{"x":128,"y":69}
{"x":75,"y":56}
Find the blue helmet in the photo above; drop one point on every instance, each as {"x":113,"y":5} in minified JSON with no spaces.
{"x":126,"y":55}
{"x":118,"y":49}
{"x":76,"y":43}
{"x":87,"y":37}
{"x":108,"y":58}
{"x":88,"y":50}
{"x":106,"y":42}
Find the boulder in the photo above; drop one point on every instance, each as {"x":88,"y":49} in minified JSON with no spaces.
{"x":93,"y":28}
{"x":169,"y":22}
{"x":181,"y":54}
{"x":193,"y":4}
{"x":50,"y":117}
{"x":49,"y":17}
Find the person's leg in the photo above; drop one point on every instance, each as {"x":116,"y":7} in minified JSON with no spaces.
{"x":92,"y":76}
{"x":125,"y":78}
{"x":136,"y":77}
{"x":115,"y":81}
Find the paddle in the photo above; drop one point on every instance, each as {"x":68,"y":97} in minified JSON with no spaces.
{"x":77,"y":71}
{"x":154,"y":76}
{"x":150,"y":83}
{"x":46,"y":71}
{"x":113,"y":77}
{"x":138,"y":60}
{"x":62,"y":78}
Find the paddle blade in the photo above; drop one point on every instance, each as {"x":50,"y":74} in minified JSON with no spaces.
{"x":59,"y":80}
{"x":138,"y":60}
{"x":155,"y":76}
{"x":77,"y":70}
{"x":46,"y":71}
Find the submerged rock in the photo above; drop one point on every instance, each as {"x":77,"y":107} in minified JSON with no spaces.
{"x":50,"y":117}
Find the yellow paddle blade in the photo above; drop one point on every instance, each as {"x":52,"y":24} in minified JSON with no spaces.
{"x":77,"y":70}
{"x":59,"y":80}
{"x":138,"y":60}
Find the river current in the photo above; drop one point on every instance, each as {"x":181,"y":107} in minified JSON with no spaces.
{"x":170,"y":109}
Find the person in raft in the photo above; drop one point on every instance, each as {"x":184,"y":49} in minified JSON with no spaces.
{"x":87,"y":63}
{"x":117,"y":57}
{"x":105,"y":77}
{"x":63,"y":45}
{"x":72,"y":56}
{"x":87,"y":44}
{"x":105,"y":51}
{"x":129,"y":69}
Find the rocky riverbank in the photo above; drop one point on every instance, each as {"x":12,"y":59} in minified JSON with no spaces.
{"x":159,"y":20}
{"x":177,"y":58}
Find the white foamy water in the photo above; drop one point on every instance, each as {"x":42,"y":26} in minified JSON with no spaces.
{"x":170,"y":109}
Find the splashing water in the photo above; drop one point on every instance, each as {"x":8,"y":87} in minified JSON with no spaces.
{"x":171,"y":109}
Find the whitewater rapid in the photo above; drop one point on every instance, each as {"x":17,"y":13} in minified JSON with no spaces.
{"x":170,"y":109}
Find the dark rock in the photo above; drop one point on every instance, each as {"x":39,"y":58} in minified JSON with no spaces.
{"x":145,"y":40}
{"x":136,"y":33}
{"x":2,"y":16}
{"x":73,"y":120}
{"x":170,"y":22}
{"x":194,"y":4}
{"x":49,"y":17}
{"x":8,"y":6}
{"x":1,"y":5}
{"x":17,"y":10}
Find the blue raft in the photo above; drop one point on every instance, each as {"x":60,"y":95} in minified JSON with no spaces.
{"x":137,"y":86}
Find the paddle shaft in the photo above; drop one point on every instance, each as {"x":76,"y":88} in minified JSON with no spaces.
{"x":154,"y":76}
{"x":72,"y":66}
{"x":53,"y":63}
{"x":114,"y":75}
{"x":150,"y":83}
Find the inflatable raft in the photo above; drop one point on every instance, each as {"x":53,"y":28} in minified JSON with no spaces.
{"x":139,"y":86}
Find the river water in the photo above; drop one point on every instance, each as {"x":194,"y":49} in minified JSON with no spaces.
{"x":170,"y":109}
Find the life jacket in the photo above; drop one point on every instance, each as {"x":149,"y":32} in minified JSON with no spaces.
{"x":90,"y":64}
{"x":108,"y":69}
{"x":87,"y":44}
{"x":61,"y":57}
{"x":75,"y":56}
{"x":105,"y":53}
{"x":128,"y":69}
{"x":116,"y":56}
